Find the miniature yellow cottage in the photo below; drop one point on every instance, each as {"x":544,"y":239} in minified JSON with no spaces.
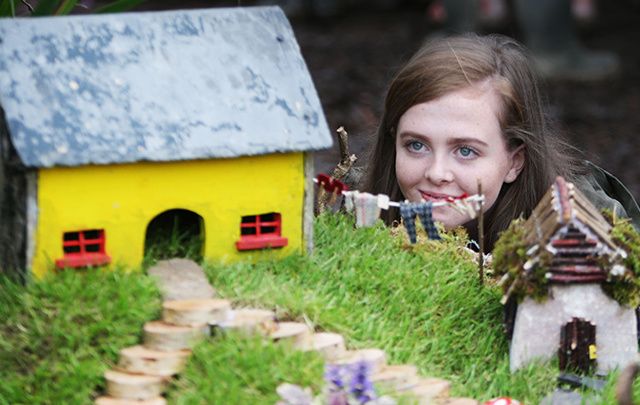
{"x":113,"y":122}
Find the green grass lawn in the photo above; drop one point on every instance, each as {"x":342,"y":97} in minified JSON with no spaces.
{"x":422,"y":305}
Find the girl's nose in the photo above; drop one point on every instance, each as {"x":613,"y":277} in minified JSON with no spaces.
{"x":439,"y":171}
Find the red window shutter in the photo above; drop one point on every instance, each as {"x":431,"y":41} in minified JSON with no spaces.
{"x":262,"y":231}
{"x":83,"y":248}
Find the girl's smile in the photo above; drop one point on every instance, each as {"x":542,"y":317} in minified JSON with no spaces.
{"x":444,"y":146}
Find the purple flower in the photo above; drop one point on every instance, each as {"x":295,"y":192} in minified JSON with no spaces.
{"x":361,"y":387}
{"x":338,"y":398}
{"x":334,"y":374}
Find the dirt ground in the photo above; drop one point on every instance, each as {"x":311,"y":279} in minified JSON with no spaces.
{"x":353,"y":56}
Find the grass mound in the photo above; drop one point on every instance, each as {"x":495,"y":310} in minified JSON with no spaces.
{"x":422,"y":304}
{"x":233,"y":369}
{"x":58,"y":335}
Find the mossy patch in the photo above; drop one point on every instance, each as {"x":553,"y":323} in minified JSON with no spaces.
{"x":509,"y":258}
{"x":625,"y":288}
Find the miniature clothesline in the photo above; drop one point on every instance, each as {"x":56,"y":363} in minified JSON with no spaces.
{"x":367,"y":206}
{"x":333,"y":185}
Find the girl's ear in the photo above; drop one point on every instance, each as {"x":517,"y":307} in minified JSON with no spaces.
{"x":517,"y":164}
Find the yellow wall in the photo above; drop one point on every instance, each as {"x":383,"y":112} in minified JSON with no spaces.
{"x":123,"y":199}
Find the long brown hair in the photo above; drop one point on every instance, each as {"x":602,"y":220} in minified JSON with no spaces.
{"x":444,"y":65}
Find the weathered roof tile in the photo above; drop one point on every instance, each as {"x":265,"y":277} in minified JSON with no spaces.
{"x":164,"y":86}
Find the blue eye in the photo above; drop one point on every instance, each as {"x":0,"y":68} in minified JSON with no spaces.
{"x":415,"y":146}
{"x":466,"y":152}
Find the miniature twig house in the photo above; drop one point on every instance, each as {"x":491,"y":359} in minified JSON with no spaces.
{"x":569,"y":250}
{"x":110,"y":122}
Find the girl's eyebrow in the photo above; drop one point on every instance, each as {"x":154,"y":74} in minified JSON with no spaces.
{"x":405,"y":134}
{"x":450,"y":141}
{"x":455,"y":141}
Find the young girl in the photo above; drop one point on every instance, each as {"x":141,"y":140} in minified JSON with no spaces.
{"x":467,"y":109}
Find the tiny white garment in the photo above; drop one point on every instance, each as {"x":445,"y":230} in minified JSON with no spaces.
{"x":349,"y":200}
{"x":367,"y":209}
{"x":383,"y":201}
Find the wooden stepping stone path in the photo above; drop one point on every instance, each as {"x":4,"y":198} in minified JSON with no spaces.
{"x":181,"y":279}
{"x":190,"y":312}
{"x":195,"y":312}
{"x":120,"y":401}
{"x":249,"y":320}
{"x":397,"y":378}
{"x":376,"y":358}
{"x":166,"y":337}
{"x":329,"y":345}
{"x":142,"y":360}
{"x":143,"y":372}
{"x":295,"y":333}
{"x":134,"y":386}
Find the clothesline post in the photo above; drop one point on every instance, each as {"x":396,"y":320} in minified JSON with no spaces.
{"x":481,"y":237}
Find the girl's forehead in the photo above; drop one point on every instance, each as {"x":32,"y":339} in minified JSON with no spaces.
{"x":471,"y":112}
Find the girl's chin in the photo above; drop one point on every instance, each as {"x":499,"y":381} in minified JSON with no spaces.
{"x":450,"y":220}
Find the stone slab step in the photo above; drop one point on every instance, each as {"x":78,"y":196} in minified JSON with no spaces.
{"x":297,"y":333}
{"x":250,"y":320}
{"x":431,"y":391}
{"x":165,"y":337}
{"x":397,"y":377}
{"x":376,"y":358}
{"x":180,"y":279}
{"x":133,"y":386}
{"x":121,"y":401}
{"x":142,"y":360}
{"x":329,"y":345}
{"x":195,"y":311}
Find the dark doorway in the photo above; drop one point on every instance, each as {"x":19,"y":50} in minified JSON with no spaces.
{"x":578,"y":346}
{"x":175,"y":233}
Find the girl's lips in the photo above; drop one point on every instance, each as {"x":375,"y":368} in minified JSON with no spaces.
{"x":440,"y":197}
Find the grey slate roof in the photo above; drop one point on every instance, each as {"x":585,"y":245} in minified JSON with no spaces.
{"x":163,"y":86}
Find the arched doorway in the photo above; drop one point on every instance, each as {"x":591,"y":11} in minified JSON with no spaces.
{"x":175,"y":233}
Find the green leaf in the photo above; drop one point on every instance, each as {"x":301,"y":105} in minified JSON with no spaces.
{"x":66,"y":7}
{"x":45,"y":7}
{"x":8,"y":8}
{"x":119,"y":6}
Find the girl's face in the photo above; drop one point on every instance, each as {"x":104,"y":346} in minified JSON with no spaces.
{"x":444,"y":146}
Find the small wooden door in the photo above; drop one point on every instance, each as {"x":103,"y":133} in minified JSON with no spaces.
{"x":578,"y":350}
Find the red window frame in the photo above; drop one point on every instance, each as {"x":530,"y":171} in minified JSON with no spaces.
{"x":261,"y":231}
{"x":83,"y":248}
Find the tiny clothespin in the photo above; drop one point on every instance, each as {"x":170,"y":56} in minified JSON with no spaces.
{"x":323,"y":182}
{"x":480,"y":235}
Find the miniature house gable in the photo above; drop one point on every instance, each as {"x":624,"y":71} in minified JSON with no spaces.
{"x":110,"y":121}
{"x":578,"y":321}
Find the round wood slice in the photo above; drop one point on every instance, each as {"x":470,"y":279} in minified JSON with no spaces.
{"x":168,"y":338}
{"x":329,"y":345}
{"x":297,"y":333}
{"x":122,"y":401}
{"x":376,"y":358}
{"x":461,"y":401}
{"x":195,"y":312}
{"x":140,"y":359}
{"x":397,"y":377}
{"x":250,"y":320}
{"x":431,"y":388}
{"x":133,"y":386}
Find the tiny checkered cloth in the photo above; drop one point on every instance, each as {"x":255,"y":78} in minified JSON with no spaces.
{"x":408,"y":219}
{"x":423,"y":210}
